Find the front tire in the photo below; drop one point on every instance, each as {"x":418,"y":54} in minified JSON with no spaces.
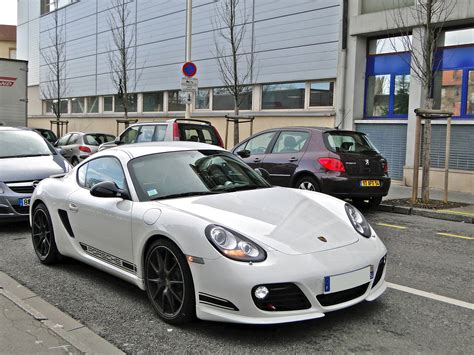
{"x":42,"y":235}
{"x":367,"y":203}
{"x":169,"y":283}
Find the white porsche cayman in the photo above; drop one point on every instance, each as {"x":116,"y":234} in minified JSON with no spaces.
{"x":207,"y":236}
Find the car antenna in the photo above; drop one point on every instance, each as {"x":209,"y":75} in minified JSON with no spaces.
{"x":340,"y":123}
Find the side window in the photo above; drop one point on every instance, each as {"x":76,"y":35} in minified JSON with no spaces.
{"x":160,"y":133}
{"x":63,"y":140}
{"x":290,"y":142}
{"x":129,"y":135}
{"x":103,"y":169}
{"x":73,"y":140}
{"x":81,"y":175}
{"x":146,"y":134}
{"x":259,"y":144}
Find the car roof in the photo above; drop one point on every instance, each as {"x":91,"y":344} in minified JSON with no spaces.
{"x":172,"y":120}
{"x":7,"y":128}
{"x":141,"y":149}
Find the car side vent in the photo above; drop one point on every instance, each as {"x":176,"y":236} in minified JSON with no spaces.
{"x":66,"y":224}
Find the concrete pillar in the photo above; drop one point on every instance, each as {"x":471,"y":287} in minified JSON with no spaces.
{"x":416,"y":99}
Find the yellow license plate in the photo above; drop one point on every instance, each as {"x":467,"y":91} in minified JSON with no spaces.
{"x":370,"y":183}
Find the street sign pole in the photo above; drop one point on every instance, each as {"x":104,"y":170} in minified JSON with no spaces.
{"x":189,"y":9}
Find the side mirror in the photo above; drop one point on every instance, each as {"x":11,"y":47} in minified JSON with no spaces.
{"x":117,"y":141}
{"x":244,"y":153}
{"x":108,"y":189}
{"x":263,"y":173}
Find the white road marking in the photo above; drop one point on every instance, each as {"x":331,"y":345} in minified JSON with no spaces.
{"x":432,"y":296}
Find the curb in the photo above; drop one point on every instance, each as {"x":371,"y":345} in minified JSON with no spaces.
{"x":73,"y":332}
{"x":425,"y":213}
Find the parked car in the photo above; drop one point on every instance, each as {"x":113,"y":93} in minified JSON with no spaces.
{"x":341,"y":163}
{"x":25,"y":159}
{"x":205,"y":235}
{"x":78,"y":146}
{"x":48,"y":134}
{"x":170,"y":130}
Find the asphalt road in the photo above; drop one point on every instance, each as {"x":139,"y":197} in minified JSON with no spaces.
{"x":418,"y":257}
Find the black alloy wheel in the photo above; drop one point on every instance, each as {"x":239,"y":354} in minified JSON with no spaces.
{"x":367,"y":203}
{"x":43,"y":236}
{"x":169,"y":283}
{"x":308,"y":183}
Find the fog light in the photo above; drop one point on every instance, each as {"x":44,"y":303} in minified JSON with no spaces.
{"x":261,"y":292}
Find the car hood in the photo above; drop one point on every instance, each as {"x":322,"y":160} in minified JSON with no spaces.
{"x":31,"y":168}
{"x":285,"y":219}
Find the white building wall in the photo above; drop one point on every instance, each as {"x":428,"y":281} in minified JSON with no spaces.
{"x":28,"y":37}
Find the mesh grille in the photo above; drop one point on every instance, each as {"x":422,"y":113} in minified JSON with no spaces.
{"x":282,"y":297}
{"x":342,"y":296}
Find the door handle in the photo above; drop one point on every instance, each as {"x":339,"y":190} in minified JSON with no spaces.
{"x":256,"y":160}
{"x":292,"y":159}
{"x":73,"y":207}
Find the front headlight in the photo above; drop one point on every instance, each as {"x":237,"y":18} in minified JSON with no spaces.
{"x":234,"y":245}
{"x":358,"y":221}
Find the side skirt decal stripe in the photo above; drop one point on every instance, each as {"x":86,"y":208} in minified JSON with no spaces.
{"x":109,"y":258}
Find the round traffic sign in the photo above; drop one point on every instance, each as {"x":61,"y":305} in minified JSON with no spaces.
{"x":189,"y":69}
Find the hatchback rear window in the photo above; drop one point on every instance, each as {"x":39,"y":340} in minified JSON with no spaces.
{"x":198,"y":133}
{"x":97,"y":139}
{"x":348,"y":142}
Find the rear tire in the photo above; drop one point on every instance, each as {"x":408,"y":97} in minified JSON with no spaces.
{"x":42,"y":235}
{"x":367,"y":203}
{"x":74,"y":161}
{"x":169,"y":283}
{"x":308,"y":183}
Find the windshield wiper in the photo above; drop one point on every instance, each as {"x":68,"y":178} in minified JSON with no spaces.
{"x":244,"y":187}
{"x":184,"y":194}
{"x":25,"y":156}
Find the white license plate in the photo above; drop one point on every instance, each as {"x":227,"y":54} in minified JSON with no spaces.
{"x":348,"y":280}
{"x":24,"y":202}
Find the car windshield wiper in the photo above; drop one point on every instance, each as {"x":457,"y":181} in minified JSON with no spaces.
{"x":184,"y":194}
{"x":25,"y":156}
{"x":244,"y":187}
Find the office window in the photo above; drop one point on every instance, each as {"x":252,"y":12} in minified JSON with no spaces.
{"x":447,"y":90}
{"x":202,"y":99}
{"x":51,"y":5}
{"x":12,"y":53}
{"x":222,"y":99}
{"x":390,"y":45}
{"x":176,"y":100}
{"x":132,"y":103}
{"x":108,"y":103}
{"x":50,"y":103}
{"x":378,"y":95}
{"x":78,"y":105}
{"x":153,"y":101}
{"x":401,"y":94}
{"x":283,"y":96}
{"x":93,"y":104}
{"x":456,"y":37}
{"x":321,"y":94}
{"x":369,"y":6}
{"x":470,"y":93}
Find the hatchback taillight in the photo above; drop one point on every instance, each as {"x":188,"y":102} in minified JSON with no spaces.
{"x":175,"y":132}
{"x":332,"y":164}
{"x":385,"y":167}
{"x":85,"y":149}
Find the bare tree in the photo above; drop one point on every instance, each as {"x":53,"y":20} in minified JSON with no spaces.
{"x":122,"y":55}
{"x":230,"y":27}
{"x":55,"y":88}
{"x":431,"y":15}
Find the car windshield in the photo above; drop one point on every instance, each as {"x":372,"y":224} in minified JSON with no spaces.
{"x":97,"y":138}
{"x":191,"y":173}
{"x":19,"y":144}
{"x":349,"y":142}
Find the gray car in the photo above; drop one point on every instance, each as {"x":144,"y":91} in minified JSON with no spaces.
{"x":77,"y":146}
{"x":25,"y":159}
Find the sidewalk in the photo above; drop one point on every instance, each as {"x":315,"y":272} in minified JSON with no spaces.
{"x":30,"y":325}
{"x":460,"y":214}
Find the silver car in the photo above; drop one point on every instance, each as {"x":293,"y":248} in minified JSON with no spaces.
{"x":25,"y":159}
{"x":77,"y":146}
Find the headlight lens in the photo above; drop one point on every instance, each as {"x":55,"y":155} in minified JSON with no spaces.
{"x":234,"y":245}
{"x":358,"y":221}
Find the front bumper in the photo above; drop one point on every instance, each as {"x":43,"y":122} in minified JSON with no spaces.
{"x":10,"y":208}
{"x":350,"y":186}
{"x":231,"y":282}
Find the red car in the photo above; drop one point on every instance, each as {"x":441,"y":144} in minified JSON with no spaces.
{"x":341,"y":163}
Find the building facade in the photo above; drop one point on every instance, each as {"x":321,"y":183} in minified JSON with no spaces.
{"x":317,"y":63}
{"x":8,"y":41}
